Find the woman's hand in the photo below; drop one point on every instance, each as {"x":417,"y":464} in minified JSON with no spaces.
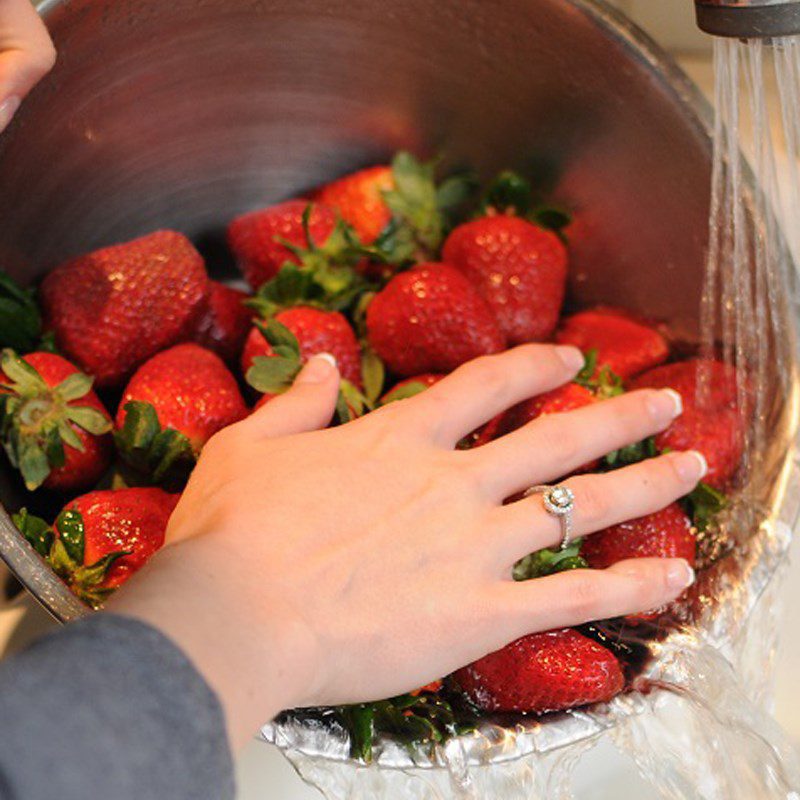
{"x":362,"y":561}
{"x":26,"y":54}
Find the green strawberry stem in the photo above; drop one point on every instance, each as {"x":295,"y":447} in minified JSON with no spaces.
{"x":36,"y":420}
{"x":20,"y":320}
{"x":65,"y":553}
{"x":159,"y":455}
{"x":325,"y":276}
{"x":276,"y":374}
{"x":422,"y":211}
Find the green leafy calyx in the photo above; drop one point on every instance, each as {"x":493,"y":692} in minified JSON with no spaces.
{"x":159,"y":455}
{"x":421,"y":210}
{"x":63,"y":546}
{"x":37,"y":421}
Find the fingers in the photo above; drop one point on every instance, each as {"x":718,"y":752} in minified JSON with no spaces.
{"x":600,"y":501}
{"x":26,"y":54}
{"x":482,"y":388}
{"x":307,"y":406}
{"x":584,"y":595}
{"x":557,"y":444}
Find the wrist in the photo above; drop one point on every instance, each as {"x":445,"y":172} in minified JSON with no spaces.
{"x":257,"y":659}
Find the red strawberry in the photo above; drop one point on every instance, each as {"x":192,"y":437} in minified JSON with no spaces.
{"x":431,"y":319}
{"x":520,"y":268}
{"x":543,"y":672}
{"x":101,"y":538}
{"x":54,"y":428}
{"x":565,"y":398}
{"x":622,"y":343}
{"x":359,"y":200}
{"x":255,"y":238}
{"x":714,"y":427}
{"x":112,"y":309}
{"x":191,"y":391}
{"x":665,"y":534}
{"x":226,"y":323}
{"x":317,"y":332}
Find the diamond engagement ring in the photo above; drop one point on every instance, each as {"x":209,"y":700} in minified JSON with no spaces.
{"x":560,"y":502}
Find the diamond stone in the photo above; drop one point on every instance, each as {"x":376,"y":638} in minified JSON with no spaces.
{"x":559,"y":500}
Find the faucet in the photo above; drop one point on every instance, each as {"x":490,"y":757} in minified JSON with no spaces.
{"x":748,"y":19}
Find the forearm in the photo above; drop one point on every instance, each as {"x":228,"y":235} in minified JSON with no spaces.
{"x":110,"y":702}
{"x":190,"y":593}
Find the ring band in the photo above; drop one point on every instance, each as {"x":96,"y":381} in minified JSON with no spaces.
{"x":559,"y":501}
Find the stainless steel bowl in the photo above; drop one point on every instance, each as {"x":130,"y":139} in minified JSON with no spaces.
{"x":183,"y":114}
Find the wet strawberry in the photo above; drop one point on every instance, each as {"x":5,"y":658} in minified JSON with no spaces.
{"x":191,"y":390}
{"x":359,"y":199}
{"x":112,"y":309}
{"x":431,"y":319}
{"x":53,"y":426}
{"x":224,"y":326}
{"x":258,"y":239}
{"x":102,"y":538}
{"x":622,"y":343}
{"x":569,"y":397}
{"x":518,"y":267}
{"x":317,"y":331}
{"x":664,"y":534}
{"x":712,"y":425}
{"x":543,"y":672}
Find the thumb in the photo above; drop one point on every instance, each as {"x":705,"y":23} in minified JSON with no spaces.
{"x":307,"y":406}
{"x":26,"y":54}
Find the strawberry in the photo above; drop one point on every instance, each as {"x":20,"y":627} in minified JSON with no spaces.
{"x":359,"y":199}
{"x":412,"y":218}
{"x":53,"y":426}
{"x":173,"y":405}
{"x":712,"y":425}
{"x":263,"y":241}
{"x":543,"y":672}
{"x":431,"y":319}
{"x":101,"y":538}
{"x":518,"y":267}
{"x":112,"y":309}
{"x":624,"y":344}
{"x":274,"y":369}
{"x":225,"y":324}
{"x":317,"y":331}
{"x":568,"y":397}
{"x":665,"y":534}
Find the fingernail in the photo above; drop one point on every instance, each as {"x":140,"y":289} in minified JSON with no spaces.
{"x":318,"y":369}
{"x":691,"y":466}
{"x":680,"y":574}
{"x":665,"y":404}
{"x":572,"y":357}
{"x":7,"y":110}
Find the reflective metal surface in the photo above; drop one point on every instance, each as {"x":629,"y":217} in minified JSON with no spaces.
{"x":186,"y":113}
{"x":747,"y":19}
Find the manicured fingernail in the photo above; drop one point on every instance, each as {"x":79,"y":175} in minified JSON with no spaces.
{"x":665,"y":405}
{"x":691,"y":466}
{"x":8,"y":108}
{"x":572,"y":357}
{"x":318,"y":369}
{"x":679,"y":574}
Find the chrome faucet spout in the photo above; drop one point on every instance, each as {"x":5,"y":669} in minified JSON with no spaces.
{"x":749,"y":19}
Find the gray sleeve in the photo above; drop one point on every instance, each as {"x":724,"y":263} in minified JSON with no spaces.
{"x":109,"y":707}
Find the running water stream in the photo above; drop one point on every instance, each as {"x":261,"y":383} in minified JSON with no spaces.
{"x":697,"y":724}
